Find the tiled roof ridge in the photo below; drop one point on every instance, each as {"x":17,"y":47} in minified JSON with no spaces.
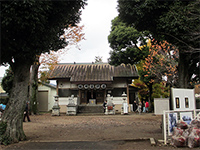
{"x":93,"y":72}
{"x":85,"y":63}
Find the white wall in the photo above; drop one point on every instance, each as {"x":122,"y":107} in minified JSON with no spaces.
{"x":160,"y":104}
{"x":65,"y":84}
{"x":117,"y":100}
{"x":65,"y":100}
{"x":117,"y":83}
{"x":51,"y":95}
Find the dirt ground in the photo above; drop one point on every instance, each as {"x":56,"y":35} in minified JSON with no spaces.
{"x":132,"y":130}
{"x":101,"y":127}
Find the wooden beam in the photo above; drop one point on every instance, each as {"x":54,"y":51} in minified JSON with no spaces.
{"x":57,"y":87}
{"x":127,"y":91}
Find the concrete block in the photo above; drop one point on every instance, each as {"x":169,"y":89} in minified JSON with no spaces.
{"x":153,"y":142}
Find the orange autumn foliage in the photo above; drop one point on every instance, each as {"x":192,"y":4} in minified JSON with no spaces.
{"x":162,"y":61}
{"x":73,"y":35}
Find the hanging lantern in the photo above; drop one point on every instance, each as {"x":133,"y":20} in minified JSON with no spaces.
{"x":91,"y":86}
{"x":80,"y":86}
{"x":97,"y":86}
{"x":86,"y":86}
{"x":103,"y":86}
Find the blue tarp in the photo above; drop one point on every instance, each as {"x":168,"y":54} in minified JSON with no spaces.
{"x":2,"y":106}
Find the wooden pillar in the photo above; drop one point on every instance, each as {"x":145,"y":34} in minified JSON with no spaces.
{"x":104,"y":95}
{"x":127,"y":91}
{"x":57,"y":87}
{"x":79,"y":94}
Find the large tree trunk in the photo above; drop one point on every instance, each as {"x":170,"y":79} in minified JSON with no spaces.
{"x":34,"y":88}
{"x":151,"y":106}
{"x":13,"y":115}
{"x":183,"y":68}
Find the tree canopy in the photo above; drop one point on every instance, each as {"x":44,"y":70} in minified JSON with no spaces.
{"x":123,"y":40}
{"x":165,"y":19}
{"x":177,"y":22}
{"x":98,"y":59}
{"x":29,"y":28}
{"x":162,"y":62}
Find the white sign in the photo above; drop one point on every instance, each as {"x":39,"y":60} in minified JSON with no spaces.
{"x":183,"y":99}
{"x":161,"y":104}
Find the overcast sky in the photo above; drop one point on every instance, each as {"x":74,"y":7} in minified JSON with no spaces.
{"x":96,"y":18}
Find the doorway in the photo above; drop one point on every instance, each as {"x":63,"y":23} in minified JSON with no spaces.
{"x":86,"y":95}
{"x":91,"y":94}
{"x":43,"y":100}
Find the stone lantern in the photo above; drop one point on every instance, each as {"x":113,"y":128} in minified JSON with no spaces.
{"x":56,"y":107}
{"x":72,"y":107}
{"x":124,"y":104}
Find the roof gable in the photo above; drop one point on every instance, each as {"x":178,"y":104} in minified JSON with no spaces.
{"x":92,"y":72}
{"x":47,"y":85}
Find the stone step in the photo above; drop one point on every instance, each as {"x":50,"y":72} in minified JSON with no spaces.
{"x":90,"y":109}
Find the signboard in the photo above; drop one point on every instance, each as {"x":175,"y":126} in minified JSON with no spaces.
{"x":186,"y":117}
{"x":172,"y":121}
{"x":183,"y":99}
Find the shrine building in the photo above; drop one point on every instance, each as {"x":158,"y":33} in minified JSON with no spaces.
{"x":90,"y":83}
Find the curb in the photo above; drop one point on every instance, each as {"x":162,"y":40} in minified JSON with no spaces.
{"x":49,"y":141}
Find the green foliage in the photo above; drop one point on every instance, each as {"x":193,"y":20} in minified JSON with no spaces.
{"x":143,"y":91}
{"x":29,"y":28}
{"x":160,"y":90}
{"x":98,"y":59}
{"x":123,"y":40}
{"x":142,"y":73}
{"x":177,"y":22}
{"x":7,"y":81}
{"x":44,"y":77}
{"x":142,"y":13}
{"x":4,"y":139}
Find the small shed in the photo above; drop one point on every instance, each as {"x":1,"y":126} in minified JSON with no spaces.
{"x":46,"y":93}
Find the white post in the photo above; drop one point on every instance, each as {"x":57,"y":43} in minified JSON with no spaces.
{"x":164,"y":125}
{"x":194,"y":113}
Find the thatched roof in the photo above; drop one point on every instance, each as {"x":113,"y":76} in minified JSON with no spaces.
{"x":101,"y":72}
